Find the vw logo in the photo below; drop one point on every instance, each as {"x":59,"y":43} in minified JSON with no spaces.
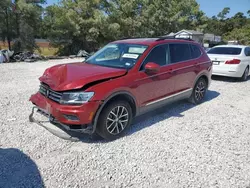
{"x":47,"y":93}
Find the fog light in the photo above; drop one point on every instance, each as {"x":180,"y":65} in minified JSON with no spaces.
{"x":71,"y":117}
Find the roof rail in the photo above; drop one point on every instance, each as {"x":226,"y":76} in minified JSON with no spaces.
{"x":131,"y":38}
{"x":173,"y":37}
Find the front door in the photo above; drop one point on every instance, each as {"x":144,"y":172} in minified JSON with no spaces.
{"x":154,"y":88}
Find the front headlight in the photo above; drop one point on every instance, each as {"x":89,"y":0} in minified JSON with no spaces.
{"x":76,"y":97}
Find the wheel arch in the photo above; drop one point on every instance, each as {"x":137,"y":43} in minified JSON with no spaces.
{"x":202,"y":75}
{"x":248,"y":66}
{"x":122,"y":95}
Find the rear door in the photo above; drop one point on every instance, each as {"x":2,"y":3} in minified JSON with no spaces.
{"x":185,"y":61}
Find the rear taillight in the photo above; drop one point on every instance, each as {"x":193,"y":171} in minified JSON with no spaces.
{"x":233,"y":61}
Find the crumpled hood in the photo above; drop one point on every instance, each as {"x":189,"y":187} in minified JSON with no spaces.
{"x":75,"y":75}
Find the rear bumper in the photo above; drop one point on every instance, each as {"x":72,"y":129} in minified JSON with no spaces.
{"x":228,"y":74}
{"x":228,"y":70}
{"x":73,"y":118}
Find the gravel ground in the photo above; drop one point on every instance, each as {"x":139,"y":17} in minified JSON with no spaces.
{"x":179,"y":146}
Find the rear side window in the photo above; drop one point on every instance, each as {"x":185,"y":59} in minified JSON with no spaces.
{"x":195,"y":51}
{"x":179,"y":52}
{"x":247,"y":51}
{"x":225,"y":50}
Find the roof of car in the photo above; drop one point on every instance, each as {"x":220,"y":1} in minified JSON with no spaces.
{"x":146,"y":41}
{"x":231,"y":45}
{"x":149,"y":41}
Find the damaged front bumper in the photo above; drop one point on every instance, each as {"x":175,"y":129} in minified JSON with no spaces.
{"x":68,"y":118}
{"x":57,"y":128}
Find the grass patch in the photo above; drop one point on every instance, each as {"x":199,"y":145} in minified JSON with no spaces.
{"x":47,"y":51}
{"x":3,"y":46}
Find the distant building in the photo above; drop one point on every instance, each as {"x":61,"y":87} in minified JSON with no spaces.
{"x":212,"y":38}
{"x":171,"y":34}
{"x":204,"y":39}
{"x":194,"y":35}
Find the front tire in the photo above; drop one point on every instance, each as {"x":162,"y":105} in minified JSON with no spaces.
{"x":245,"y":75}
{"x":199,"y":91}
{"x":114,"y":120}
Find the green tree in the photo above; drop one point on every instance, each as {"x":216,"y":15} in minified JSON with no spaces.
{"x":85,"y":24}
{"x":7,"y":22}
{"x":221,"y":25}
{"x":213,"y":26}
{"x":154,"y":17}
{"x":218,"y":24}
{"x":239,"y":20}
{"x":75,"y":25}
{"x":28,"y":20}
{"x":223,"y":13}
{"x":240,"y":34}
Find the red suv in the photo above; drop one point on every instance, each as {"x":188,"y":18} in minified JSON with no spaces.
{"x":122,"y":80}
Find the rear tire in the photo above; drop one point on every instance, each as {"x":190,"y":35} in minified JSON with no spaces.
{"x":114,"y":120}
{"x":245,"y":75}
{"x":199,"y":91}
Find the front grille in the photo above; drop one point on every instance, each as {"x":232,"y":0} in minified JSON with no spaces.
{"x":49,"y":93}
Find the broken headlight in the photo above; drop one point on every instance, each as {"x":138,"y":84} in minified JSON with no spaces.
{"x":76,"y":97}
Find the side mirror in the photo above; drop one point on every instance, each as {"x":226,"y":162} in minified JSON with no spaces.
{"x":152,"y":67}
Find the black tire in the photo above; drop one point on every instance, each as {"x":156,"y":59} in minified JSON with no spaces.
{"x":245,"y":75}
{"x":108,"y":121}
{"x":199,"y":91}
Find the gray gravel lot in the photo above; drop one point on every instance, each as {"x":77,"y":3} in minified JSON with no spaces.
{"x":179,"y":146}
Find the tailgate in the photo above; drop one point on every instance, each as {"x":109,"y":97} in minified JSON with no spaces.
{"x":221,"y":59}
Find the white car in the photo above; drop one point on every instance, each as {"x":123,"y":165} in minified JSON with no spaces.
{"x":230,"y":60}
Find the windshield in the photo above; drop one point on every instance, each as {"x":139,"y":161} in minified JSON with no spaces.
{"x":118,"y":55}
{"x":225,"y":50}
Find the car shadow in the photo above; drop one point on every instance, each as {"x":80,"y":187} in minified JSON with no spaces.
{"x":146,"y":120}
{"x":173,"y":110}
{"x":18,"y":170}
{"x":226,"y":79}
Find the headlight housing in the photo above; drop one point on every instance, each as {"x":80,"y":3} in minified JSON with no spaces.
{"x":76,"y":97}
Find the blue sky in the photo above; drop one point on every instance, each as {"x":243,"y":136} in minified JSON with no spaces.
{"x":212,"y":7}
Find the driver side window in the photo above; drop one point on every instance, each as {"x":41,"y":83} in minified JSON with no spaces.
{"x":109,"y":54}
{"x":158,"y":55}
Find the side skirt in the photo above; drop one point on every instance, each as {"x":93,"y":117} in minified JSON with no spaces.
{"x":165,"y":101}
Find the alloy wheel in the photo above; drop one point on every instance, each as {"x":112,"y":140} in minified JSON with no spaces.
{"x":117,"y":120}
{"x":200,"y":91}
